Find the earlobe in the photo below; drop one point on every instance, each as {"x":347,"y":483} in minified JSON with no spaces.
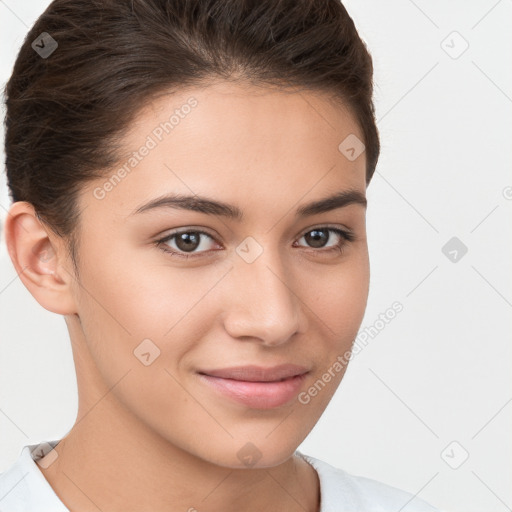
{"x":38,"y":259}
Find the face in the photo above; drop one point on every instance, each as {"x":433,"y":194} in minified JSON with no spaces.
{"x":171,"y":295}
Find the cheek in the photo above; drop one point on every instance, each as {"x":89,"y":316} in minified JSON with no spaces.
{"x":337,"y":298}
{"x":139,"y":328}
{"x":127,"y":305}
{"x":336,"y":311}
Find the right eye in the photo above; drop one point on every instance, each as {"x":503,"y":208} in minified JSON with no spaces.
{"x":186,"y":241}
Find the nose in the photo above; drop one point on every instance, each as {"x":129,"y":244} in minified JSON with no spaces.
{"x":263,"y":304}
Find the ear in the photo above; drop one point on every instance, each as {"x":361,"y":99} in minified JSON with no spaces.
{"x":40,"y":259}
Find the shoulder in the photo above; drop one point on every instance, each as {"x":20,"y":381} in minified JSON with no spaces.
{"x":15,"y":486}
{"x":341,"y":491}
{"x":23,"y":487}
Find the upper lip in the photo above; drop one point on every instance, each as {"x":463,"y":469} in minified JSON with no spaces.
{"x":257,"y":373}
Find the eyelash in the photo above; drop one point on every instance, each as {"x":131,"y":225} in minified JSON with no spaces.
{"x":347,"y":237}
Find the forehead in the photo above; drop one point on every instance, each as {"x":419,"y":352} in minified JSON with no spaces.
{"x":236,"y":142}
{"x":241,"y":110}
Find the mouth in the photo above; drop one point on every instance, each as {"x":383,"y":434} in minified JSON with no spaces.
{"x":257,"y":373}
{"x":257,"y":387}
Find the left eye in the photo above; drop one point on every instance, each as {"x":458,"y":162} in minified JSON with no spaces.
{"x":186,"y":242}
{"x":317,"y":237}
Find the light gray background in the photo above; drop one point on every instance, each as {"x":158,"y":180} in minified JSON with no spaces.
{"x":440,"y":371}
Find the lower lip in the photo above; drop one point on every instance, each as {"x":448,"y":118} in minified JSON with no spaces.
{"x":258,"y":395}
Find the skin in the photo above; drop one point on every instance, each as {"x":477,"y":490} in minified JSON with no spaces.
{"x":155,"y":437}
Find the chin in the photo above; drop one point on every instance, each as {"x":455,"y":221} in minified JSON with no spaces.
{"x":251,"y":454}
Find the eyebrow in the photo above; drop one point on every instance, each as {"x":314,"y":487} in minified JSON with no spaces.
{"x":213,"y":207}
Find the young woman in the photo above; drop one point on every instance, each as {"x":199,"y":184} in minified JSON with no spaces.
{"x":189,"y":181}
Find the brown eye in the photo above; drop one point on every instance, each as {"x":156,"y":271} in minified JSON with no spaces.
{"x":185,"y":243}
{"x":318,"y":238}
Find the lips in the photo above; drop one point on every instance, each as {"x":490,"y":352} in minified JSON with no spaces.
{"x":255,"y":386}
{"x":257,"y":373}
